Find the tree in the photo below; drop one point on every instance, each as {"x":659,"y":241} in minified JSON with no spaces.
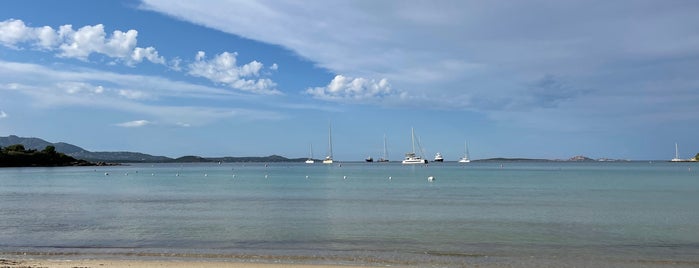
{"x":15,"y":148}
{"x":50,"y":149}
{"x":696,"y":157}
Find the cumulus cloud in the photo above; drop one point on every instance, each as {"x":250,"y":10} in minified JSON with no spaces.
{"x":224,"y":69}
{"x":348,"y":89}
{"x":3,"y":114}
{"x":80,"y":43}
{"x":136,"y":123}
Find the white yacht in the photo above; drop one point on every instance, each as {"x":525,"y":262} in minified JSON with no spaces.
{"x":329,"y":159}
{"x":465,"y":159}
{"x":411,"y":157}
{"x":438,"y":158}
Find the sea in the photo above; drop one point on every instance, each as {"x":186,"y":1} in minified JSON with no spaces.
{"x":480,"y":214}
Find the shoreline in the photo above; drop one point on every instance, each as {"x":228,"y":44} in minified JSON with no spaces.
{"x":150,"y":260}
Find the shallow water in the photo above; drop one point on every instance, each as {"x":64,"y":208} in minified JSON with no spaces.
{"x":547,"y":213}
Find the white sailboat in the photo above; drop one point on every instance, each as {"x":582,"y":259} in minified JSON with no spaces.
{"x":412,"y":157}
{"x":329,"y":159}
{"x":465,"y":159}
{"x":310,"y":156}
{"x":385,"y":152}
{"x":677,"y":155}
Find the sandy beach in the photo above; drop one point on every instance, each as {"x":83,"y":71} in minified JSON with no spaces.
{"x":49,"y":263}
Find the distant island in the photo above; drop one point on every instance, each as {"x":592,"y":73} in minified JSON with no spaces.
{"x":78,"y":153}
{"x":577,"y":158}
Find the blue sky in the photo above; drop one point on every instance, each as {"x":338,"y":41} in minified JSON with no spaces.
{"x":539,"y":79}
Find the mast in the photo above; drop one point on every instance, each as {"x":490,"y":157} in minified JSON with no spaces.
{"x":466,"y":147}
{"x":677,"y":152}
{"x":330,"y":140}
{"x":412,"y":131}
{"x":385,"y":152}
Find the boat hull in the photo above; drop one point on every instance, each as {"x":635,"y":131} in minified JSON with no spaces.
{"x":414,"y":161}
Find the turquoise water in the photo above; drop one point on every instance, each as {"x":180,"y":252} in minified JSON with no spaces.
{"x":520,"y":214}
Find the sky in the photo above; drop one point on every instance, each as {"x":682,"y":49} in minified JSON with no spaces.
{"x":535,"y":79}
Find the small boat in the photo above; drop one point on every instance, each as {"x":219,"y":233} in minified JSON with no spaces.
{"x":465,"y":159}
{"x":411,"y":157}
{"x":310,"y":156}
{"x":385,"y":152}
{"x":369,"y":159}
{"x":438,"y":158}
{"x":329,"y":159}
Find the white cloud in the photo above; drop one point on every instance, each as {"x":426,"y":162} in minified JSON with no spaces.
{"x":136,"y":123}
{"x":13,"y":31}
{"x":348,"y":89}
{"x":469,"y":50}
{"x":80,"y":88}
{"x":274,"y":67}
{"x":151,"y":55}
{"x":3,"y":114}
{"x":224,"y":69}
{"x":80,"y":44}
{"x":135,"y":94}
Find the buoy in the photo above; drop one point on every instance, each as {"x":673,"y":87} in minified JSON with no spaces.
{"x":389,"y":178}
{"x":344,"y":177}
{"x":430,"y":178}
{"x":265,"y":176}
{"x":306,"y":176}
{"x":106,"y":174}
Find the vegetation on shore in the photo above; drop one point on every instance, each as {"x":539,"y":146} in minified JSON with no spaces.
{"x":17,"y":156}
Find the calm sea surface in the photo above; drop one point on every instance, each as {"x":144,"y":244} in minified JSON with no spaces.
{"x":631,"y":214}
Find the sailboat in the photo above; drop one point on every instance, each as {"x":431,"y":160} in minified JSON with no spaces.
{"x":329,"y":159}
{"x":677,"y":155}
{"x":465,"y":159}
{"x":310,"y":156}
{"x":385,"y":152}
{"x":411,"y":157}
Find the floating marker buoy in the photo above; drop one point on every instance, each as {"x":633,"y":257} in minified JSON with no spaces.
{"x":344,"y":177}
{"x":389,"y":178}
{"x":306,"y":176}
{"x":430,"y":178}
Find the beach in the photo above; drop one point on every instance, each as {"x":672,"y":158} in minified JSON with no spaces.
{"x":53,"y":263}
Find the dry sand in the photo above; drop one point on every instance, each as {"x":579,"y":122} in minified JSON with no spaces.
{"x":48,"y":263}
